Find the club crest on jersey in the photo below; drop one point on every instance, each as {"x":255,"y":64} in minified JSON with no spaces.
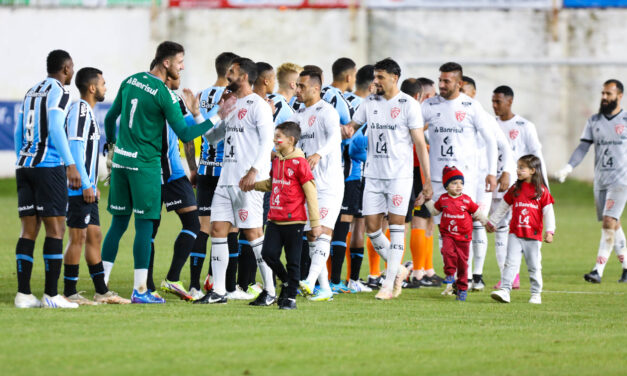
{"x":243,"y":214}
{"x":460,"y":116}
{"x":524,"y":212}
{"x":619,"y":128}
{"x":395,"y":112}
{"x":609,"y":204}
{"x":290,"y":172}
{"x":513,"y":134}
{"x":323,"y":212}
{"x":312,"y":120}
{"x":453,"y":222}
{"x":241,"y":113}
{"x":276,"y":189}
{"x":397,"y":200}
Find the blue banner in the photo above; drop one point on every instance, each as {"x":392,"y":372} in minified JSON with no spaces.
{"x":595,"y":3}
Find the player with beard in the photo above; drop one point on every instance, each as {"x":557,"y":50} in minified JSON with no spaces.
{"x":248,"y":135}
{"x":144,"y":104}
{"x":606,"y":130}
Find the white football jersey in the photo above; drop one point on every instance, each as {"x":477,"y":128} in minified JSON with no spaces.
{"x":610,"y":148}
{"x":523,"y":139}
{"x":320,"y":134}
{"x":248,"y":140}
{"x":453,"y":128}
{"x":390,"y":149}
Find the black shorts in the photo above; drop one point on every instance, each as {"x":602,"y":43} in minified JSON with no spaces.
{"x":178,"y":194}
{"x":41,"y":191}
{"x":81,"y":214}
{"x":417,"y":188}
{"x":353,"y":198}
{"x":205,"y":187}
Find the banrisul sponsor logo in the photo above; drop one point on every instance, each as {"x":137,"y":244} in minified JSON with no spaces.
{"x":145,"y":87}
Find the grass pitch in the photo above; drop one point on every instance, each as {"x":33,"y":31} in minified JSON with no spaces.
{"x":579,"y":329}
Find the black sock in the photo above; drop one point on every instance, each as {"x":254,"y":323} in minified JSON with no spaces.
{"x":70,"y":279}
{"x":183,"y":244}
{"x":53,"y":258}
{"x":24,"y":260}
{"x":231,"y":269}
{"x":150,"y":283}
{"x":357,"y":256}
{"x":96,"y":272}
{"x":305,"y":260}
{"x":338,"y":250}
{"x":197,"y":259}
{"x":476,"y":278}
{"x":247,"y":264}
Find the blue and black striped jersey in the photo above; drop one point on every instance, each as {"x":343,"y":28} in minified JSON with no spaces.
{"x":335,"y":97}
{"x":171,"y":164}
{"x":83,"y":135}
{"x":282,"y":110}
{"x":211,"y":156}
{"x":358,"y":144}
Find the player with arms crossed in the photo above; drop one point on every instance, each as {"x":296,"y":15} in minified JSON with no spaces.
{"x":606,"y":130}
{"x":394,"y":121}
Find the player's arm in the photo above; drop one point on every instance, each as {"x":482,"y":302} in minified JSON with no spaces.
{"x":430,"y":205}
{"x":311,"y":196}
{"x":505,"y":151}
{"x":497,"y":216}
{"x":265,"y":129}
{"x":477,"y":215}
{"x":18,"y":132}
{"x":187,"y":133}
{"x":75,"y":121}
{"x":264,"y":185}
{"x":585,"y":141}
{"x":492,"y":150}
{"x":332,"y":128}
{"x":112,"y":116}
{"x":358,"y":147}
{"x":548,"y":215}
{"x":343,"y":109}
{"x":56,"y":128}
{"x":418,"y":137}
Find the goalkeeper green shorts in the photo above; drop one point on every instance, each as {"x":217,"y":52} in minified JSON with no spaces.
{"x":136,"y":191}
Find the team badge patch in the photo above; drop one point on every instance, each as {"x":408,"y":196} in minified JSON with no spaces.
{"x":241,"y":113}
{"x":276,"y":189}
{"x":460,"y":115}
{"x":395,"y":112}
{"x":323,"y":212}
{"x":312,"y":120}
{"x":243,"y":214}
{"x":619,"y":128}
{"x":397,"y":200}
{"x":609,"y":204}
{"x":513,"y":134}
{"x":290,"y":172}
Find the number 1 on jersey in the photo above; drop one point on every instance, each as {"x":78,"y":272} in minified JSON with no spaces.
{"x":134,"y":102}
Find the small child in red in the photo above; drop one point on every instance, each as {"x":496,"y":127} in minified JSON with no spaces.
{"x":458,"y":212}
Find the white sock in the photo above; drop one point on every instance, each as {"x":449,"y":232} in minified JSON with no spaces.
{"x":323,"y":278}
{"x":395,"y":254}
{"x":108,"y":266}
{"x":480,"y":245}
{"x":605,"y":248}
{"x":500,"y":246}
{"x":139,"y":281}
{"x":380,"y":243}
{"x":264,"y":269}
{"x":319,"y":258}
{"x":470,"y":258}
{"x":219,"y":263}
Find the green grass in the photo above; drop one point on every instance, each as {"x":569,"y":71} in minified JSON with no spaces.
{"x":419,"y":333}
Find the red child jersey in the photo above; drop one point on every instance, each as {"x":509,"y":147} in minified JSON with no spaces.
{"x":456,"y":220}
{"x":527,"y":211}
{"x":287,"y":200}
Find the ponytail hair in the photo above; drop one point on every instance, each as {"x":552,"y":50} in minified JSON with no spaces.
{"x":537,"y":180}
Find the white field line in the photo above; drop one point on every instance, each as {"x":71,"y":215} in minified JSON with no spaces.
{"x":584,"y":292}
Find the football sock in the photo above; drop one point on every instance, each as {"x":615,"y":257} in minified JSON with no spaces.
{"x":619,"y":240}
{"x":264,"y":269}
{"x":500,"y":246}
{"x":141,"y":245}
{"x":119,"y":224}
{"x":24,"y":262}
{"x":374,"y":260}
{"x":183,"y":244}
{"x":347,"y":255}
{"x":139,"y":280}
{"x":380,"y":243}
{"x":395,"y":253}
{"x":417,"y":246}
{"x":319,"y":251}
{"x":247,"y":264}
{"x":231,"y":269}
{"x":429,"y":256}
{"x":107,"y":266}
{"x":305,"y":260}
{"x":150,"y":283}
{"x":357,"y":256}
{"x":219,"y":263}
{"x":480,"y":249}
{"x":96,"y":272}
{"x":605,"y":247}
{"x":197,"y":259}
{"x":53,"y":258}
{"x":70,"y":279}
{"x":338,"y":253}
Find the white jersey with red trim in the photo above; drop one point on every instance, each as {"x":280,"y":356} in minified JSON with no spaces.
{"x":390,"y":146}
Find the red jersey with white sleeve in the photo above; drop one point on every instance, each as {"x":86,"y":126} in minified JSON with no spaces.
{"x":456,"y":221}
{"x":287,"y":200}
{"x":527,"y":211}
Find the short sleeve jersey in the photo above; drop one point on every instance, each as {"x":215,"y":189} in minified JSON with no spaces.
{"x":456,"y":220}
{"x":146,"y":104}
{"x":335,"y":98}
{"x":453,"y":127}
{"x":242,"y":141}
{"x":287,"y":198}
{"x":389,"y":138}
{"x":521,"y":135}
{"x":527,"y":218}
{"x":81,"y":126}
{"x":282,"y":110}
{"x":609,"y":137}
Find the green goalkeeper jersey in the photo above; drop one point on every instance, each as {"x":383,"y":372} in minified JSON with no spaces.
{"x":144,"y":104}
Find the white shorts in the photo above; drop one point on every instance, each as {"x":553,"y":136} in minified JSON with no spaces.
{"x":483,"y":199}
{"x":383,"y":196}
{"x":470,"y":189}
{"x":329,"y":205}
{"x":241,"y":209}
{"x":610,"y":202}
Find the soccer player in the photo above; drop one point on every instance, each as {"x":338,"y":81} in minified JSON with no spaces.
{"x":247,"y":138}
{"x":209,"y":168}
{"x":454,"y":120}
{"x":320,"y":141}
{"x":394,"y":121}
{"x":523,"y":139}
{"x":43,"y":168}
{"x":287,"y":76}
{"x":606,"y":131}
{"x":144,"y":104}
{"x":83,"y":219}
{"x":428,"y":88}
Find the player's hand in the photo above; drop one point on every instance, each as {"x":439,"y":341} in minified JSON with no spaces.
{"x":427,"y":190}
{"x":271,"y":103}
{"x":97,"y":194}
{"x":313,"y":160}
{"x":489,"y":227}
{"x":192,"y":177}
{"x":562,"y":174}
{"x":247,"y":183}
{"x":73,"y":177}
{"x":192,"y":101}
{"x":490,"y":183}
{"x":504,"y":181}
{"x":548,"y":237}
{"x":347,"y":131}
{"x":316,"y":231}
{"x":89,"y":196}
{"x":420,"y":199}
{"x":226,"y":106}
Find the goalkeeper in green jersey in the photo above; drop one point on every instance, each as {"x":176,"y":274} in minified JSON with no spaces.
{"x":144,"y":104}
